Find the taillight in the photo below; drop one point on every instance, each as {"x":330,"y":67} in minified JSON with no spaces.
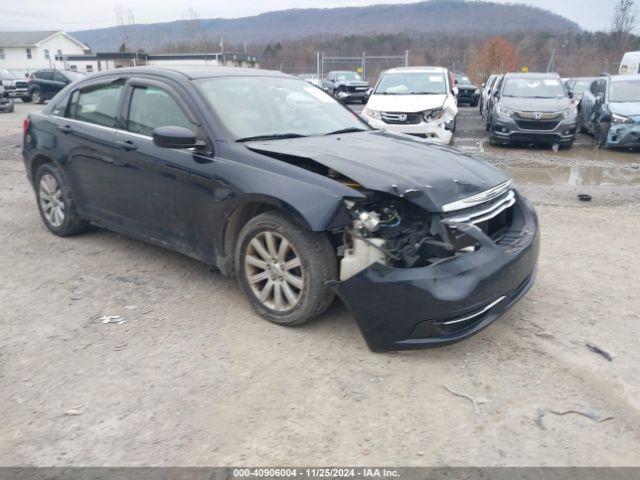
{"x":25,"y":125}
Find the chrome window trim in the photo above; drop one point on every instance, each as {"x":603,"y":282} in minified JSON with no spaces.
{"x":479,"y":198}
{"x":111,"y":129}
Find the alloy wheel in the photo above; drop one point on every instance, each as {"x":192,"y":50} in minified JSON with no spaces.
{"x":35,"y":96}
{"x":274,"y":271}
{"x":51,"y":200}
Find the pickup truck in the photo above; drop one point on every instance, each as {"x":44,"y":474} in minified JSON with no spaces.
{"x":346,"y":86}
{"x":14,"y":86}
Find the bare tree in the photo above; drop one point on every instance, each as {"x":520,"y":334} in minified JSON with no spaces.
{"x":125,"y":19}
{"x":195,"y":33}
{"x":624,"y":24}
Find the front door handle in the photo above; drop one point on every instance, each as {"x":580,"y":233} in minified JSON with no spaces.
{"x":66,"y":129}
{"x":127,"y":145}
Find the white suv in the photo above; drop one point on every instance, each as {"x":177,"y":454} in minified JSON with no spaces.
{"x":418,"y":101}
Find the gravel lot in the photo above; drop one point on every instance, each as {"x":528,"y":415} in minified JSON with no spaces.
{"x":194,"y":378}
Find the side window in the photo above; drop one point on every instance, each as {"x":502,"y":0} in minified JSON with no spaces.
{"x":97,"y":104}
{"x":152,"y":107}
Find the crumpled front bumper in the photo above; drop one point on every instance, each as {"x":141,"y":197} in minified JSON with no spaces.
{"x":434,"y":131}
{"x":412,"y":308}
{"x":624,"y":135}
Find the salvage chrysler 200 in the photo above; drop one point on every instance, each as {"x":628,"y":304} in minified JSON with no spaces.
{"x":271,"y":180}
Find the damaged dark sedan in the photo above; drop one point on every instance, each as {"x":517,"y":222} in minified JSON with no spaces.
{"x":273,"y":181}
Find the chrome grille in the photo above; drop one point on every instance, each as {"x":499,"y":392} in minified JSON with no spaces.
{"x":401,"y":118}
{"x":539,"y":115}
{"x":485,"y":211}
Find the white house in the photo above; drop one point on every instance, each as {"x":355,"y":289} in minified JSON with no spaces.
{"x":24,"y":52}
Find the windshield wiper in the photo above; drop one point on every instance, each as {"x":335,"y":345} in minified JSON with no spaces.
{"x":273,"y":136}
{"x":346,"y":130}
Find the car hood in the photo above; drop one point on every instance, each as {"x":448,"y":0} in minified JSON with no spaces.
{"x":628,"y":109}
{"x":426,"y":174}
{"x":405,"y":103}
{"x":536,"y":104}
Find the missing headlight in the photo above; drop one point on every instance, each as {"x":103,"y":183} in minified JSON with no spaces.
{"x":397,"y":233}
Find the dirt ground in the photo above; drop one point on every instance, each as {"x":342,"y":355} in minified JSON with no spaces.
{"x":194,"y":378}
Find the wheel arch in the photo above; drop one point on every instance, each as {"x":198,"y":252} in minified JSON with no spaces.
{"x":37,"y":161}
{"x":239,"y":214}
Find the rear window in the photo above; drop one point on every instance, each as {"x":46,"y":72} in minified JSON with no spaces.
{"x":97,"y":104}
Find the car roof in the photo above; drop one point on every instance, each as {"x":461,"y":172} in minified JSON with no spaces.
{"x":532,"y":75}
{"x":417,"y":69}
{"x":194,"y":72}
{"x":622,"y":78}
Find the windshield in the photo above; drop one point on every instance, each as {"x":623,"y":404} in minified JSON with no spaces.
{"x":533,"y":88}
{"x":276,"y":107}
{"x":347,"y":76}
{"x":463,"y":80}
{"x":415,"y":83}
{"x":626,"y":91}
{"x":580,"y":86}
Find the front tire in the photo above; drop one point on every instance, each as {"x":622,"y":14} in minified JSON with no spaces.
{"x":26,"y":99}
{"x":284,"y":269}
{"x":55,"y":202}
{"x":36,"y":96}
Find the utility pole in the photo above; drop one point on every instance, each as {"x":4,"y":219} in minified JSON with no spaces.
{"x":552,"y":60}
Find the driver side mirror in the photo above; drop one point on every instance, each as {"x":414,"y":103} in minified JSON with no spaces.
{"x":455,"y":91}
{"x":496,"y":94}
{"x":174,"y":137}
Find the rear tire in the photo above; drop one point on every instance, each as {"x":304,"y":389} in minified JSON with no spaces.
{"x":55,"y":202}
{"x":286,"y":284}
{"x":26,"y":99}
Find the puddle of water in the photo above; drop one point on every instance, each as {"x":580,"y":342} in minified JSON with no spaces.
{"x":572,"y":175}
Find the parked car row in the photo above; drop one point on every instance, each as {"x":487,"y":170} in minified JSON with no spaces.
{"x":39,"y":86}
{"x":542,"y":108}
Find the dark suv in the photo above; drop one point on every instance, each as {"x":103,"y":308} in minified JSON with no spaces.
{"x":44,"y":84}
{"x":532,"y":108}
{"x":467,"y":91}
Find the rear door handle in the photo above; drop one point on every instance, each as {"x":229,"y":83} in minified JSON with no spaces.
{"x":66,"y":129}
{"x":127,"y":145}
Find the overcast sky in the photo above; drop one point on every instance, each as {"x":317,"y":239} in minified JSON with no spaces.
{"x":82,"y":14}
